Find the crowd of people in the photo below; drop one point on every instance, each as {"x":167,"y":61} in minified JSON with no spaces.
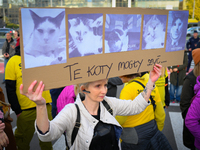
{"x":92,"y":117}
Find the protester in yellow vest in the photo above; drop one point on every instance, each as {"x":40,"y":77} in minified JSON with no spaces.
{"x":24,"y":108}
{"x":142,"y":130}
{"x":162,"y":85}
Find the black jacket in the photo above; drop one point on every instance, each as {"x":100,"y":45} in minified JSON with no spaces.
{"x":182,"y":72}
{"x":191,"y":43}
{"x":186,"y":97}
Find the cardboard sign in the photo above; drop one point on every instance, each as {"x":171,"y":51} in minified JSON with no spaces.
{"x":65,"y":46}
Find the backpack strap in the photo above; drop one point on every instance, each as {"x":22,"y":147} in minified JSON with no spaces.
{"x":151,"y":98}
{"x":78,"y":124}
{"x":107,"y":107}
{"x":76,"y":128}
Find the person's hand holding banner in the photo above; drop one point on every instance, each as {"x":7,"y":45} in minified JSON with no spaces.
{"x":35,"y":96}
{"x":155,"y":73}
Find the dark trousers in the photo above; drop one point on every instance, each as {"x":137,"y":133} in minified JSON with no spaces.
{"x":188,"y":138}
{"x":54,"y":96}
{"x":189,"y":60}
{"x":149,"y":138}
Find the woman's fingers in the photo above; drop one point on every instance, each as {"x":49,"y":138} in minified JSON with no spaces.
{"x":3,"y":139}
{"x":157,"y":71}
{"x":30,"y":89}
{"x":7,"y":140}
{"x":34,"y":96}
{"x":37,"y":91}
{"x":2,"y":126}
{"x":158,"y":66}
{"x":41,"y":90}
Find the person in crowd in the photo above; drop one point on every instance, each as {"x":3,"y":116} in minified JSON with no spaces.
{"x":67,"y":96}
{"x":177,"y":74}
{"x":112,"y":86}
{"x":99,"y":129}
{"x":4,"y":141}
{"x":191,"y":45}
{"x":54,"y":96}
{"x":7,"y":51}
{"x":142,"y":131}
{"x":8,"y":127}
{"x":187,"y":95}
{"x":22,"y":106}
{"x":162,"y":85}
{"x":193,"y":115}
{"x":17,"y":37}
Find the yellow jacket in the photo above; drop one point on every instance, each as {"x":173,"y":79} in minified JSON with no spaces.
{"x":14,"y":73}
{"x":130,"y":91}
{"x":160,"y":84}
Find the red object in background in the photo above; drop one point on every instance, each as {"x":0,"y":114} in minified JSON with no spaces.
{"x":2,"y":67}
{"x":177,"y":67}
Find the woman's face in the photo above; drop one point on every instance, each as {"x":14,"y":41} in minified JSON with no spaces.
{"x":176,"y":28}
{"x":98,"y":90}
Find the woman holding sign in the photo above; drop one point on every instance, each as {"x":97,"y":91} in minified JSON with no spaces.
{"x":89,"y":123}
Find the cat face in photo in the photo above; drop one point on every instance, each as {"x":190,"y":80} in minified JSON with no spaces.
{"x":153,"y":29}
{"x":80,"y":29}
{"x":176,"y":29}
{"x":83,"y":31}
{"x":117,"y":38}
{"x":46,"y":31}
{"x":114,"y":42}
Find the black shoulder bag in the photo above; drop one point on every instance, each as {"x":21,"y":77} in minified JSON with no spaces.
{"x":78,"y":124}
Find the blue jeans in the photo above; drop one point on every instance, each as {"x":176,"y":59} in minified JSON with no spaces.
{"x":5,"y":62}
{"x":175,"y":92}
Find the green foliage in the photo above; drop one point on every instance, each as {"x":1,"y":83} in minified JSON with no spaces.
{"x":190,"y":4}
{"x":6,"y":20}
{"x":12,"y":25}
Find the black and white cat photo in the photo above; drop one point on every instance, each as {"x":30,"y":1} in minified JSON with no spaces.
{"x":122,"y":32}
{"x":44,"y":37}
{"x":154,"y":31}
{"x":85,"y":34}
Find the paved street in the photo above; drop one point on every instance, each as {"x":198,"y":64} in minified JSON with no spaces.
{"x":172,"y":129}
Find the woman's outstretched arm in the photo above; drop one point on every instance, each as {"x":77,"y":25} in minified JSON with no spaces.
{"x":41,"y":110}
{"x":153,"y":77}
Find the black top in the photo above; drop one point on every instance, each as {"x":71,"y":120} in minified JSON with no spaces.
{"x":104,"y":136}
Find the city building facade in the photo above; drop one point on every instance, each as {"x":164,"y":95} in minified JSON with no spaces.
{"x":9,"y":9}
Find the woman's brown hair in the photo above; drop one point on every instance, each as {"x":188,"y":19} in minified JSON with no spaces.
{"x":197,"y":69}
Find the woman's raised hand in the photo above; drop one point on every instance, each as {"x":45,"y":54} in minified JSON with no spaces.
{"x":37,"y":95}
{"x":155,"y":73}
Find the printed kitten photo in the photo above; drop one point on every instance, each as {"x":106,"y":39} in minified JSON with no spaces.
{"x":45,"y":45}
{"x":85,"y":34}
{"x":154,"y":32}
{"x":121,"y":32}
